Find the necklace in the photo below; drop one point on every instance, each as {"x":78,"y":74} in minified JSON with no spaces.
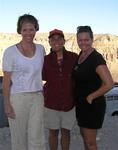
{"x":84,"y":55}
{"x":28,"y":52}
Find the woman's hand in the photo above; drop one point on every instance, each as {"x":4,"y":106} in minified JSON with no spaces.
{"x":89,"y":99}
{"x":9,"y":111}
{"x":6,"y":93}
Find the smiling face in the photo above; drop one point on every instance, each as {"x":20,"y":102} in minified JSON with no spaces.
{"x":28,"y":31}
{"x":84,"y":41}
{"x":57,"y":42}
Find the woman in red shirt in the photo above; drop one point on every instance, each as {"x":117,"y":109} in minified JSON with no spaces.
{"x":58,"y":91}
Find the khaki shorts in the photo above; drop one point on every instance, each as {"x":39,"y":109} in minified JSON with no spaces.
{"x":59,"y":119}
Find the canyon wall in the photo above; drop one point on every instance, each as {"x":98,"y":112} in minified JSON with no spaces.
{"x":106,"y":44}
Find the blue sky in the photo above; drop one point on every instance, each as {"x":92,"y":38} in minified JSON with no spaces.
{"x":101,"y":15}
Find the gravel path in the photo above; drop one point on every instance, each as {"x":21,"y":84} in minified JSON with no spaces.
{"x":107,"y":138}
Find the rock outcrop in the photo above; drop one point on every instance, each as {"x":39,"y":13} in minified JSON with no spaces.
{"x":106,"y":44}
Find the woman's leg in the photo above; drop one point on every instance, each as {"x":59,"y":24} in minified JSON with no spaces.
{"x":89,"y":138}
{"x":65,"y":139}
{"x":36,"y":134}
{"x":18,"y":126}
{"x":53,"y":139}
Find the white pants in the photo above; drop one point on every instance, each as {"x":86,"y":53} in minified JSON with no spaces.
{"x":27,"y":129}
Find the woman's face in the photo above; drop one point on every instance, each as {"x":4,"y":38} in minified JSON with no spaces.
{"x":28,"y":31}
{"x":57,"y":42}
{"x":84,"y":41}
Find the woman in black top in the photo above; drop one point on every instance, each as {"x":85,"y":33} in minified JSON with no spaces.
{"x":92,"y":81}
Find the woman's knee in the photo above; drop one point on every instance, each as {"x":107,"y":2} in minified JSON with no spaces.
{"x":53,"y":133}
{"x":65,"y":132}
{"x":91,"y":145}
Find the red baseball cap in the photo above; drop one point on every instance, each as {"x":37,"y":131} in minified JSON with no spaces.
{"x":56,"y":31}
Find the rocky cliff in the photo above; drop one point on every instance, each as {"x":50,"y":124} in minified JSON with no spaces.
{"x":106,"y":44}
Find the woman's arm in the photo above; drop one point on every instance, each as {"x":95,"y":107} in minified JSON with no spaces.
{"x":6,"y":93}
{"x":107,"y":83}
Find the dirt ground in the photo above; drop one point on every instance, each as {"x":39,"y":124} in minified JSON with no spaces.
{"x":107,"y":138}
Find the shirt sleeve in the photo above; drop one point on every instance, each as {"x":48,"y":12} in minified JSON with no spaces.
{"x":99,"y":60}
{"x":44,"y":71}
{"x":7,"y":61}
